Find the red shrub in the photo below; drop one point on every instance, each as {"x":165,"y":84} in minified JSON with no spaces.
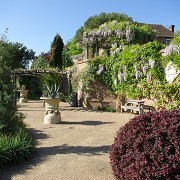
{"x":148,"y":147}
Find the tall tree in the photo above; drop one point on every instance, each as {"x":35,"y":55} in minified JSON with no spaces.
{"x":56,"y":50}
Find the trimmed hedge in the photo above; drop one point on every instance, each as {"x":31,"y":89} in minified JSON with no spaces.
{"x":148,"y":147}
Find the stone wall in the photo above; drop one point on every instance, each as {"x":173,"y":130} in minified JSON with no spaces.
{"x":99,"y":96}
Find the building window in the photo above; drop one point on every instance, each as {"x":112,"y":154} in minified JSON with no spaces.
{"x":168,"y":41}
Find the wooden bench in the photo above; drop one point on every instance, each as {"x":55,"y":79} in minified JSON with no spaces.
{"x":145,"y":108}
{"x":132,"y":105}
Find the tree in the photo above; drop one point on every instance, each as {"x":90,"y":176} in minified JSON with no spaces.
{"x":7,"y":105}
{"x":67,"y":62}
{"x":40,"y":63}
{"x":107,"y":29}
{"x":95,"y":21}
{"x":20,"y":55}
{"x":56,"y":52}
{"x":176,"y":39}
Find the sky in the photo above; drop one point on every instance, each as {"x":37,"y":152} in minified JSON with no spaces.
{"x":34,"y":23}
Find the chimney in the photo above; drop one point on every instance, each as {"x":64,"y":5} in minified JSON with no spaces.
{"x":171,"y":28}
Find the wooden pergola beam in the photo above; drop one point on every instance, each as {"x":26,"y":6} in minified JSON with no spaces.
{"x":28,"y":72}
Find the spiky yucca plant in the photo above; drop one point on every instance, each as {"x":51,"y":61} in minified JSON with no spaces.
{"x":53,"y":91}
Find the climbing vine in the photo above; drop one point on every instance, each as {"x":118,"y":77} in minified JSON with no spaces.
{"x":136,"y":70}
{"x":132,"y":63}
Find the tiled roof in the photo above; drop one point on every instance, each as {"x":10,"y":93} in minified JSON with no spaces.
{"x":161,"y":30}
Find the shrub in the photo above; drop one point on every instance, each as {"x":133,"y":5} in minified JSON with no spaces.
{"x":16,"y":144}
{"x":15,"y":148}
{"x":106,"y":109}
{"x":148,"y":147}
{"x":15,"y":124}
{"x":7,"y":105}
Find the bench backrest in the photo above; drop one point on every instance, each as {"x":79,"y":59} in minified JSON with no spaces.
{"x":147,"y":107}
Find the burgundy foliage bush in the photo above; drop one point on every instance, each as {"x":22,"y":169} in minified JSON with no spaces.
{"x":148,"y":147}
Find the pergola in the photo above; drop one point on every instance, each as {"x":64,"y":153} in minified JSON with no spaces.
{"x":33,"y":72}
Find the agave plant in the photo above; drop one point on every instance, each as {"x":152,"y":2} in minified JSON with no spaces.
{"x":53,"y":91}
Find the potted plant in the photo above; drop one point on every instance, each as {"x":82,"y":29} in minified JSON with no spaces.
{"x":52,"y":98}
{"x":23,"y":94}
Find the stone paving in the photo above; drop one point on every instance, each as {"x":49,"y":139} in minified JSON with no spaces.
{"x":76,"y":149}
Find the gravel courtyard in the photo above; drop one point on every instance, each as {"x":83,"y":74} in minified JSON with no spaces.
{"x":76,"y":149}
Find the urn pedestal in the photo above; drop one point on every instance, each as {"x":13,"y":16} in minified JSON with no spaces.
{"x":23,"y":96}
{"x":52,"y":114}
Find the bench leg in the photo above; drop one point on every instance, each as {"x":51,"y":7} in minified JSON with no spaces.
{"x":121,"y":110}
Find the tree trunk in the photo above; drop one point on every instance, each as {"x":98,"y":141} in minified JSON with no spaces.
{"x":118,"y":103}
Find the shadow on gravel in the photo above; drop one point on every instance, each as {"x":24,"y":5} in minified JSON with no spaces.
{"x":38,"y":110}
{"x":87,"y":123}
{"x":44,"y":152}
{"x":37,"y":134}
{"x":82,"y":109}
{"x":79,"y":150}
{"x":10,"y":170}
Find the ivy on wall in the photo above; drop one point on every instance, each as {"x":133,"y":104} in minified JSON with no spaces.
{"x":132,"y":63}
{"x":137,"y":71}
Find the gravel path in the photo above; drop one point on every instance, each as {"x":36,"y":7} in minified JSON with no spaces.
{"x":76,"y":149}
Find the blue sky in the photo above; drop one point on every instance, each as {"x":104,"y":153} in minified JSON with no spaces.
{"x":34,"y":23}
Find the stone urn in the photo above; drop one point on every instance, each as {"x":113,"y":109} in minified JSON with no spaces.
{"x":52,"y":114}
{"x":23,"y":96}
